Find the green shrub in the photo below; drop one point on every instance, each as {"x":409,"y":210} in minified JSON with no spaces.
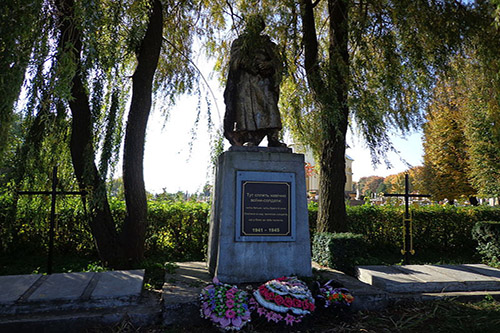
{"x":341,"y":251}
{"x":178,"y":229}
{"x":439,"y":229}
{"x":487,"y":235}
{"x":312,"y":209}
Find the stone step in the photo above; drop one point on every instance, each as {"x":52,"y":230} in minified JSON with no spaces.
{"x":145,"y":312}
{"x":37,"y":293}
{"x":419,"y":279}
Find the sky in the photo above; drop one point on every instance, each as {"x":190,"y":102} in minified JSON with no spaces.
{"x":171,"y":164}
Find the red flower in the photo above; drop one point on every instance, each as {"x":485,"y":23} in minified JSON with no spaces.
{"x":297,"y":303}
{"x":269,"y":296}
{"x":279,"y":300}
{"x":312,"y":306}
{"x":288,"y":302}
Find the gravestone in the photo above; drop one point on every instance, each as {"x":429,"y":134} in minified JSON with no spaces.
{"x":259,"y":226}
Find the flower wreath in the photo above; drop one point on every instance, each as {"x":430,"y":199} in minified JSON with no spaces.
{"x":285,"y":299}
{"x":334,"y":296}
{"x":226,"y":306}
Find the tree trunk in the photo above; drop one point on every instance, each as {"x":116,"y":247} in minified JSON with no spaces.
{"x":134,"y":229}
{"x":82,"y":152}
{"x":331,"y":98}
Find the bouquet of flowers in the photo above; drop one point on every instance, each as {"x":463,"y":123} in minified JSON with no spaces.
{"x":334,"y":296}
{"x":285,"y":299}
{"x":226,"y":306}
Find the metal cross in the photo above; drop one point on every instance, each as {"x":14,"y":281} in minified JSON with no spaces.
{"x":408,"y":246}
{"x":53,"y":194}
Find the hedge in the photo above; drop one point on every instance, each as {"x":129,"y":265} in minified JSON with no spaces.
{"x":180,"y":229}
{"x":435,"y":228}
{"x":341,"y":251}
{"x":487,"y":235}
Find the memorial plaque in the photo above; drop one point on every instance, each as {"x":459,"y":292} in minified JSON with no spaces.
{"x":265,"y":206}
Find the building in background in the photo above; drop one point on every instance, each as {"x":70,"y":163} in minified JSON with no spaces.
{"x":312,"y":174}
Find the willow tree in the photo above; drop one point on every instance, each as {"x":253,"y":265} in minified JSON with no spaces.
{"x":369,"y":64}
{"x":88,"y":61}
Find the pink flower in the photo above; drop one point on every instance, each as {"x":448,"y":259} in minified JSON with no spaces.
{"x":230,"y":304}
{"x":279,"y":299}
{"x":288,"y":302}
{"x":270,"y":316}
{"x":229,"y":296}
{"x":230,"y":314}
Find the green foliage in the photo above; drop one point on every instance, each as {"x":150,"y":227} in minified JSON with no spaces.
{"x":178,"y":229}
{"x":312,"y":209}
{"x":341,"y":251}
{"x":487,"y":235}
{"x":438,"y":229}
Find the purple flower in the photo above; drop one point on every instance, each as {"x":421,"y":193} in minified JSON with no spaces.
{"x":289,"y":319}
{"x":214,"y":318}
{"x":277,"y":317}
{"x":225,"y":322}
{"x":237,"y":321}
{"x":261,"y":311}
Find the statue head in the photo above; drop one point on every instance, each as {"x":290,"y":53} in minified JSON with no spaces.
{"x":254,"y":24}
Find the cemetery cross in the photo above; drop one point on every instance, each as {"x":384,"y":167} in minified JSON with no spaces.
{"x":408,"y":248}
{"x":53,"y":193}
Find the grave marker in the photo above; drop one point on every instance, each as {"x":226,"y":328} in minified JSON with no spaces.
{"x":53,"y":195}
{"x":407,"y":232}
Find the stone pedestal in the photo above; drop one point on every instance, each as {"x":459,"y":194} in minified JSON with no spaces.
{"x":259,"y":226}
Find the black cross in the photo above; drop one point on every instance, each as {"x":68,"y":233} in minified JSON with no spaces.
{"x":408,"y":246}
{"x":53,"y":193}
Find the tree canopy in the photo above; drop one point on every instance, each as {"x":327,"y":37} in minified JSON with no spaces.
{"x":79,"y":79}
{"x":371,"y":65}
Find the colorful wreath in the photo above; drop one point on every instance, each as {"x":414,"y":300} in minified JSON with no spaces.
{"x":285,"y":299}
{"x":226,"y":306}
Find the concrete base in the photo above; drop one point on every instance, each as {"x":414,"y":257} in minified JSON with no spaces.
{"x":73,"y":302}
{"x":235,"y":261}
{"x":429,"y":279}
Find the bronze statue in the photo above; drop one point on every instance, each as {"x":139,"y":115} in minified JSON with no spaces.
{"x":252,"y":90}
